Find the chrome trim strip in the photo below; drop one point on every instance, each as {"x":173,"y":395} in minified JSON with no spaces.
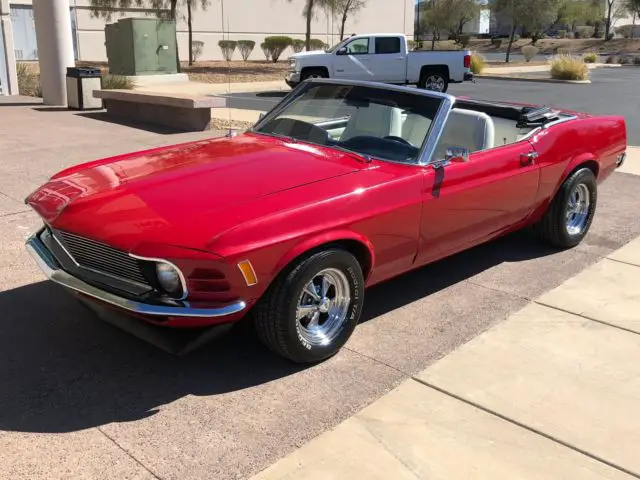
{"x":436,"y":130}
{"x":183,"y":281}
{"x":48,"y":265}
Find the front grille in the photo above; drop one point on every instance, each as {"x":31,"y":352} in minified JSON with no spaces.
{"x":100,"y":257}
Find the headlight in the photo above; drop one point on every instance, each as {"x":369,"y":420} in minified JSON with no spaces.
{"x":292,"y":63}
{"x":168,"y":278}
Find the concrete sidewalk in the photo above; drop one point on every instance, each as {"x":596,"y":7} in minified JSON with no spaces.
{"x":552,"y":392}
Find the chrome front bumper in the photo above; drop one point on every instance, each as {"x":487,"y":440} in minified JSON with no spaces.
{"x":52,"y":270}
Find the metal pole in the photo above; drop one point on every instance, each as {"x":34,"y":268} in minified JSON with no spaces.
{"x":55,"y":48}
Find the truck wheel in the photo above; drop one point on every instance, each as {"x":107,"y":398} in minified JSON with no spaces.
{"x":309,"y":313}
{"x":313,"y":73}
{"x":435,"y":80}
{"x":568,"y":218}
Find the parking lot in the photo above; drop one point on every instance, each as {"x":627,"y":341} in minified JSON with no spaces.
{"x":81,"y":398}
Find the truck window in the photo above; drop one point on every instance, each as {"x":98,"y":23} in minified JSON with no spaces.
{"x":360,"y":46}
{"x":387,"y":45}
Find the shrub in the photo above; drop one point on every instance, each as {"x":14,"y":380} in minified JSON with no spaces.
{"x":584,"y":32}
{"x":464,"y":40}
{"x":591,"y":57}
{"x":477,"y":64}
{"x":529,"y":51}
{"x":196,"y":49}
{"x":636,"y":60}
{"x":516,"y":37}
{"x":298,"y":45}
{"x":266,"y":50}
{"x":567,"y":67}
{"x":116,"y":82}
{"x":246,"y":47}
{"x":624,"y":60}
{"x":276,"y":46}
{"x":412,"y":45}
{"x":496,"y":42}
{"x":612,"y":59}
{"x":227,"y":47}
{"x":610,"y":36}
{"x":316,"y":44}
{"x":625,"y":30}
{"x":563,"y":51}
{"x":562,"y":34}
{"x":28,"y":80}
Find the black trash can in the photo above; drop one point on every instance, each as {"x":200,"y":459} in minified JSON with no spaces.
{"x":81,"y":82}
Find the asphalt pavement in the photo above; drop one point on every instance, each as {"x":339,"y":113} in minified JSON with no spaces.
{"x":611,"y":91}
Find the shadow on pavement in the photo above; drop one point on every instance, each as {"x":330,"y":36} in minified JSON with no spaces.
{"x":272,"y":94}
{"x":103,"y":116}
{"x":62,"y":370}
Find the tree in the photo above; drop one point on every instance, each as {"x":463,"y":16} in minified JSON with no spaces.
{"x":344,"y":8}
{"x":530,"y":14}
{"x":436,"y":16}
{"x":192,"y":5}
{"x":308,"y":12}
{"x":465,"y":11}
{"x":579,"y":12}
{"x":633,"y":6}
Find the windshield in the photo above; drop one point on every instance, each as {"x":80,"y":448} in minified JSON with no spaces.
{"x":370,"y":121}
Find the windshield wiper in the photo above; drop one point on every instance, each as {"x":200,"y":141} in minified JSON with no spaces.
{"x":364,"y":156}
{"x":277,"y":135}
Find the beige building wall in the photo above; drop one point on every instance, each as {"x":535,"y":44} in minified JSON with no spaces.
{"x":249,"y":20}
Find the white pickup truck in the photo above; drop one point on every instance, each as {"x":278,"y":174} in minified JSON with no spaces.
{"x":382,"y":58}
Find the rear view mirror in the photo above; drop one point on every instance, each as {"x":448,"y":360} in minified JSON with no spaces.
{"x":457,"y":154}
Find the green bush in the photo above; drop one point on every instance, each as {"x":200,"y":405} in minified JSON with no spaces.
{"x":610,"y":36}
{"x":227,"y":47}
{"x":477,"y":64}
{"x":516,"y":37}
{"x":275,"y":46}
{"x":567,"y":67}
{"x":624,"y":60}
{"x":562,"y":34}
{"x":529,"y":52}
{"x":584,"y":32}
{"x":591,"y":57}
{"x":316,"y":44}
{"x":496,"y":42}
{"x":246,"y":47}
{"x":298,"y":45}
{"x":116,"y":82}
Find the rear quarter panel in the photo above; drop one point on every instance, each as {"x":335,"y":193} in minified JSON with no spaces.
{"x":565,"y":146}
{"x":454,"y":60}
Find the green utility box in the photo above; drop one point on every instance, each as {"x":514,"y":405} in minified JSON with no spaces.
{"x":141,"y":46}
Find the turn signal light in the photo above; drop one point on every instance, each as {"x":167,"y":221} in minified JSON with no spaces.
{"x":248,"y":273}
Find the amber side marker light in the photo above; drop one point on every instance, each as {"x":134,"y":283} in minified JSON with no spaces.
{"x":248,"y":273}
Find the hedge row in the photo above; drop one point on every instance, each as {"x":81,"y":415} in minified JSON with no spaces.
{"x":272,"y":47}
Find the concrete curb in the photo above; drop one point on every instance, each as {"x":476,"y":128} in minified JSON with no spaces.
{"x":537,"y":80}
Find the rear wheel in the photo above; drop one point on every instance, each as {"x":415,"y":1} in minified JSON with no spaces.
{"x":309,"y":313}
{"x":435,"y":80}
{"x":313,"y":73}
{"x":568,"y":218}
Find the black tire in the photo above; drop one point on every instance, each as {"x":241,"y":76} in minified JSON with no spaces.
{"x":313,"y":73}
{"x":275,"y":314}
{"x":428,"y":75}
{"x":553,"y":226}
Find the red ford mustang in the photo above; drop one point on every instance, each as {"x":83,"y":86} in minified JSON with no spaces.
{"x":341,"y":186}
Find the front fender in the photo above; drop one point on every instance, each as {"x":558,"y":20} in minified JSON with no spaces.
{"x":325,"y":238}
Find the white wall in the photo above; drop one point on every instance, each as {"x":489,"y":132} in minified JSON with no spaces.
{"x":252,"y":20}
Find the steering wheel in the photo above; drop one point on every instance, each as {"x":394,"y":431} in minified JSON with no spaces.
{"x":394,"y":138}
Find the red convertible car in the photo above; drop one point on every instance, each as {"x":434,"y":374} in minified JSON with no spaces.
{"x":341,"y":186}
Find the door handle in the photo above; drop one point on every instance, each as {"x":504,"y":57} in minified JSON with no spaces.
{"x":528,"y":158}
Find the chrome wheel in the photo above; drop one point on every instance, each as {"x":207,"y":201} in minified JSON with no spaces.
{"x":577,"y":212}
{"x":435,"y":83}
{"x":323,"y":306}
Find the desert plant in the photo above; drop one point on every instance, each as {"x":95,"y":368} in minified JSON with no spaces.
{"x":227,"y":47}
{"x":464,"y":40}
{"x":609,"y":37}
{"x":28,"y":80}
{"x":412,"y":45}
{"x":246,"y":47}
{"x":562,"y":34}
{"x":477,"y":63}
{"x":516,"y":37}
{"x":298,"y":45}
{"x":612,"y":59}
{"x":625,"y":30}
{"x":317,"y":44}
{"x":116,"y":82}
{"x":584,"y":32}
{"x":590,"y":57}
{"x":567,"y":67}
{"x":636,"y":60}
{"x":563,"y":51}
{"x":266,"y":50}
{"x":624,"y":60}
{"x":196,"y":49}
{"x":276,"y":46}
{"x":496,"y":42}
{"x":529,"y":51}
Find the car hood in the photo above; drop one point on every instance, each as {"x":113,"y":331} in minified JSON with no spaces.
{"x":177,"y":195}
{"x":314,"y":53}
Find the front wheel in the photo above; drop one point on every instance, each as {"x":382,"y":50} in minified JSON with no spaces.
{"x":309,"y":313}
{"x":313,"y":73}
{"x":568,"y":218}
{"x":434,"y":80}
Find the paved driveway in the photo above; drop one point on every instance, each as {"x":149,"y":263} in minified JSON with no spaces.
{"x":79,"y":398}
{"x":612,"y":91}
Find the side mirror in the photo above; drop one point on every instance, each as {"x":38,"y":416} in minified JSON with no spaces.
{"x":457,"y":154}
{"x":342,"y":51}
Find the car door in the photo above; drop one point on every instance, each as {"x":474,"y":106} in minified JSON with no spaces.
{"x":355,"y":62}
{"x":388,"y":63}
{"x":468,"y":202}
